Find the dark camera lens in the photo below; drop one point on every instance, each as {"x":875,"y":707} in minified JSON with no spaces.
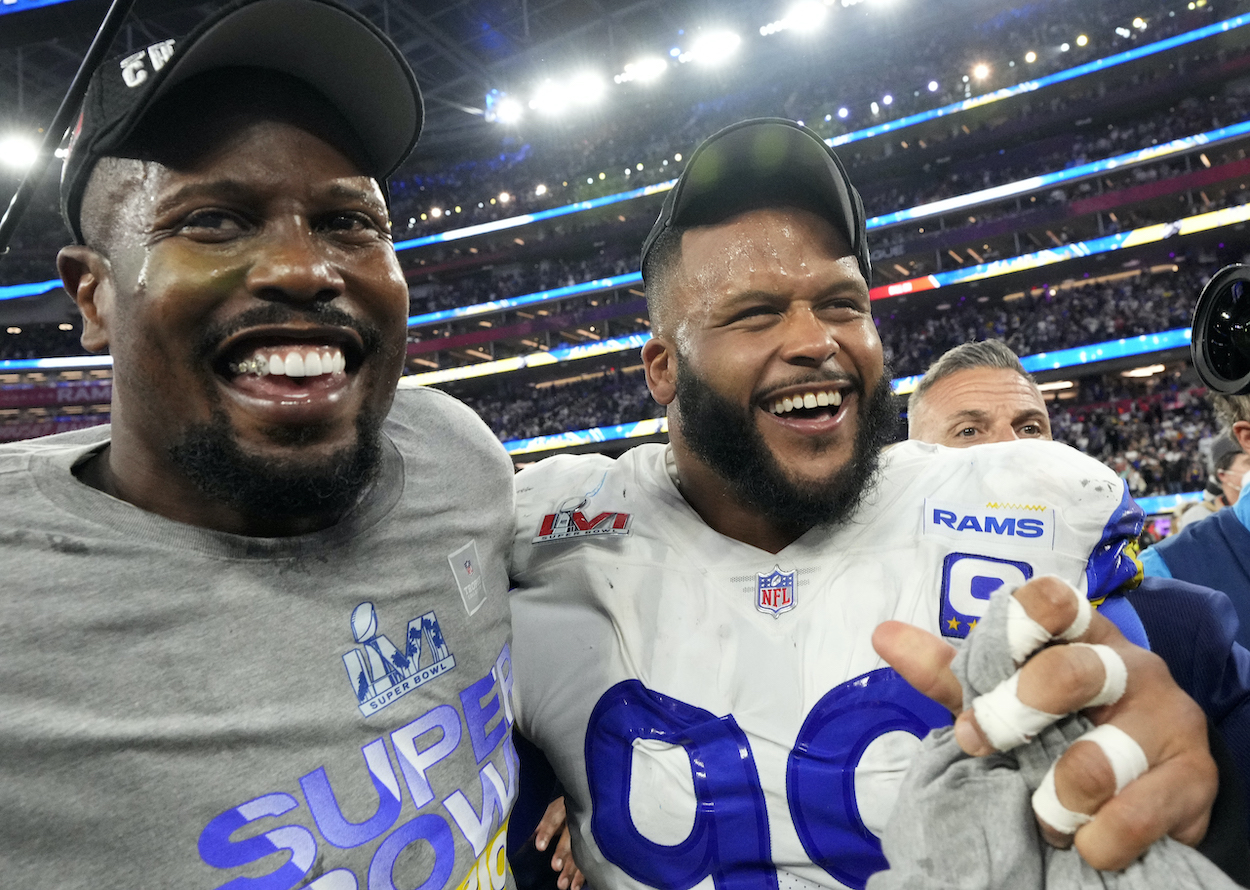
{"x":1221,"y":331}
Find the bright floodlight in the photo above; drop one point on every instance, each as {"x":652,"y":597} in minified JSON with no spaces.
{"x":933,"y":86}
{"x":1030,"y":57}
{"x":643,"y":70}
{"x":549,"y":99}
{"x":980,"y":72}
{"x":807,"y":15}
{"x":876,"y":109}
{"x":18,"y":152}
{"x":712,"y":48}
{"x":508,"y":111}
{"x":540,"y":190}
{"x":887,"y":99}
{"x":504,"y":197}
{"x":1082,"y":40}
{"x":843,"y":112}
{"x":586,"y":88}
{"x":1139,"y":23}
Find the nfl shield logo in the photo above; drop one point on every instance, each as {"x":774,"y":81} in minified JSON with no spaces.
{"x":774,"y":592}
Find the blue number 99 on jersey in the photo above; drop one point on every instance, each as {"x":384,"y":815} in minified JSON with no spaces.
{"x":967,"y":582}
{"x":729,"y":840}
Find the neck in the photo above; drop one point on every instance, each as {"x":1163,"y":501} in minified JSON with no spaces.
{"x":718,"y":505}
{"x":151,"y":483}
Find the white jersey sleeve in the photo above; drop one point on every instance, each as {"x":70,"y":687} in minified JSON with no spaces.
{"x":716,"y":712}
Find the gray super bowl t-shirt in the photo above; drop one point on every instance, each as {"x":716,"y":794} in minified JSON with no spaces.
{"x":185,"y":708}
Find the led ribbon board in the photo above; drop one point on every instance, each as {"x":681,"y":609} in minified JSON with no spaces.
{"x":7,"y":6}
{"x":1030,"y":86}
{"x":922,"y":211}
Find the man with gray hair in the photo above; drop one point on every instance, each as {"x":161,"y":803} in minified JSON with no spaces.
{"x":979,"y":393}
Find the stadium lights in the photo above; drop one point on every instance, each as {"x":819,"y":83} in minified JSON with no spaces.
{"x":876,"y":109}
{"x":508,"y":111}
{"x":1064,"y":47}
{"x":436,"y":212}
{"x":887,"y":99}
{"x":643,"y":70}
{"x":585,"y":88}
{"x":677,"y":157}
{"x":1124,"y":32}
{"x":982,"y":71}
{"x":18,"y":152}
{"x":1030,"y":57}
{"x":1082,"y":40}
{"x":540,"y":190}
{"x":504,"y":197}
{"x":933,"y":86}
{"x":712,"y":48}
{"x":843,"y":112}
{"x":804,"y":17}
{"x":1139,"y":23}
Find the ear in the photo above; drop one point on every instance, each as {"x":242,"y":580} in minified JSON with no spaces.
{"x":1241,"y":432}
{"x":659,"y":362}
{"x":87,"y":277}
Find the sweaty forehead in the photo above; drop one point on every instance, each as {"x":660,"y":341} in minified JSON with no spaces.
{"x":781,"y":250}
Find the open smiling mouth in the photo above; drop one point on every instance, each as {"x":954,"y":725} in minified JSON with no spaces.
{"x":286,"y":366}
{"x":820,"y":402}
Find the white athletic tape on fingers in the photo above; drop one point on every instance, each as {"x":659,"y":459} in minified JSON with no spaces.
{"x":1006,"y":721}
{"x":1127,"y":759}
{"x":1046,"y":806}
{"x":1024,"y":635}
{"x":1115,"y":673}
{"x":1080,"y":624}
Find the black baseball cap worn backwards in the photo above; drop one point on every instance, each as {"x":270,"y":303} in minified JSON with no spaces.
{"x":335,"y":50}
{"x":762,"y":162}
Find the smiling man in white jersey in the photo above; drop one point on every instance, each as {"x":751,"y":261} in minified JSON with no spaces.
{"x":694,"y":624}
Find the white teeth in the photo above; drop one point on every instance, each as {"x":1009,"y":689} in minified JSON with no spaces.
{"x":808,"y":401}
{"x":292,"y":362}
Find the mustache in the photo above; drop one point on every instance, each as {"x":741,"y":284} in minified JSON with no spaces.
{"x":280,"y":314}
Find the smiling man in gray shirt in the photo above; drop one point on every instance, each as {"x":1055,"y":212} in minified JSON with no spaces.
{"x":254,"y":634}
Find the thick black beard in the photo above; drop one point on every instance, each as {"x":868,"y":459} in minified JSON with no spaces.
{"x":278,"y":489}
{"x":724,"y":436}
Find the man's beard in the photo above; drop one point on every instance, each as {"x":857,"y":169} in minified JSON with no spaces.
{"x":725,"y":437}
{"x":270,"y":488}
{"x":280,"y":488}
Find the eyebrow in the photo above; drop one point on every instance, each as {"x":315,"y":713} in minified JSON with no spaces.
{"x":234,"y":190}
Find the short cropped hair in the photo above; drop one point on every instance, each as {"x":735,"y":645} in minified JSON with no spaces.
{"x":662,"y":263}
{"x":967,"y":357}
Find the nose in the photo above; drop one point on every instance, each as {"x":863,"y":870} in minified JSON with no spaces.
{"x":809,"y":341}
{"x":291,"y":264}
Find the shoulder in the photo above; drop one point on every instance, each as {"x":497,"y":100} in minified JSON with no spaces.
{"x":580,"y":474}
{"x":425,"y":422}
{"x":1032,"y":470}
{"x":60,"y":450}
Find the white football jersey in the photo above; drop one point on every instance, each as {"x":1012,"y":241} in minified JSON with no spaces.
{"x":716,"y":712}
